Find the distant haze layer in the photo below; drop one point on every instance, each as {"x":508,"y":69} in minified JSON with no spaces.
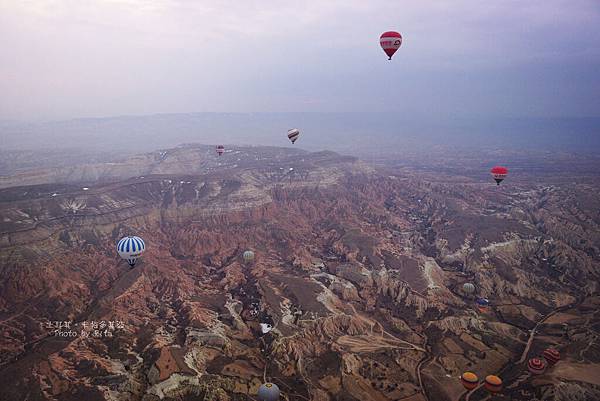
{"x":352,"y":133}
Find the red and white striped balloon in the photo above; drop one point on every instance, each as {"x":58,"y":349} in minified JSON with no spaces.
{"x":390,"y":42}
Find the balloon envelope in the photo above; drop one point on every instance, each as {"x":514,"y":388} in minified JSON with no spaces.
{"x":536,"y":366}
{"x":469,"y":288}
{"x":493,"y":384}
{"x":293,"y":134}
{"x":499,"y":173}
{"x":220,"y":149}
{"x":131,"y":248}
{"x":552,"y":356}
{"x":268,"y":392}
{"x":469,"y":380}
{"x":482,"y":304}
{"x":390,"y":42}
{"x":248,"y":256}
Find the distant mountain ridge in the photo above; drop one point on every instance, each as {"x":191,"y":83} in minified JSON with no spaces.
{"x":342,"y":132}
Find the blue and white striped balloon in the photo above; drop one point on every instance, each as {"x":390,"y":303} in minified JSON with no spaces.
{"x":131,"y":248}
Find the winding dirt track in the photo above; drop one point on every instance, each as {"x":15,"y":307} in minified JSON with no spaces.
{"x":467,"y":395}
{"x":428,"y":357}
{"x":534,"y":332}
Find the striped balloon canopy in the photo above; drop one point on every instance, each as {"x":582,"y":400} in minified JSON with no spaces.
{"x":293,"y":134}
{"x":468,"y":288}
{"x":248,"y":256}
{"x":131,"y":248}
{"x":390,"y":42}
{"x":536,"y":366}
{"x":551,"y":355}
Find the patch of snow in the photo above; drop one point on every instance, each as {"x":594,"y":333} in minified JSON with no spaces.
{"x":73,"y":205}
{"x":428,"y":268}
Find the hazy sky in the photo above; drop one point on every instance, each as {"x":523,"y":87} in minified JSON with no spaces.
{"x":83,"y":58}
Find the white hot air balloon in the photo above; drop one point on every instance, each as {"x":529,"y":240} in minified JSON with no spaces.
{"x":265,"y":328}
{"x":293,"y":134}
{"x":248,"y":256}
{"x":468,"y":288}
{"x":131,"y":248}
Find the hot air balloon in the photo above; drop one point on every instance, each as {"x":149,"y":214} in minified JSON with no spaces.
{"x":499,"y":173}
{"x":248,"y":256}
{"x":390,"y":42}
{"x":265,"y":328}
{"x":293,"y":134}
{"x":468,"y":288}
{"x":220,"y":149}
{"x":268,"y":392}
{"x":482,"y":304}
{"x":469,"y":380}
{"x":552,"y":356}
{"x":493,"y":384}
{"x":536,"y":366}
{"x":131,"y":248}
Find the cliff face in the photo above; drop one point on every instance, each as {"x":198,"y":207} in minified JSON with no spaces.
{"x":360,"y":275}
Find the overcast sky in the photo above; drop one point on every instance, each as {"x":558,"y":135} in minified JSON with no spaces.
{"x":68,"y":59}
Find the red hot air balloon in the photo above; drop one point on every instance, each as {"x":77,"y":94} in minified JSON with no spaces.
{"x":390,"y":42}
{"x":499,"y":173}
{"x":552,"y":356}
{"x":536,"y":366}
{"x":220,"y":149}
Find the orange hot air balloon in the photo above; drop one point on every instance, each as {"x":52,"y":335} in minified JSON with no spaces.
{"x":390,"y":42}
{"x":493,"y":384}
{"x":469,"y":380}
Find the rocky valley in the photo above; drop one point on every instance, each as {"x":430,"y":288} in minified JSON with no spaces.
{"x":359,"y":270}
